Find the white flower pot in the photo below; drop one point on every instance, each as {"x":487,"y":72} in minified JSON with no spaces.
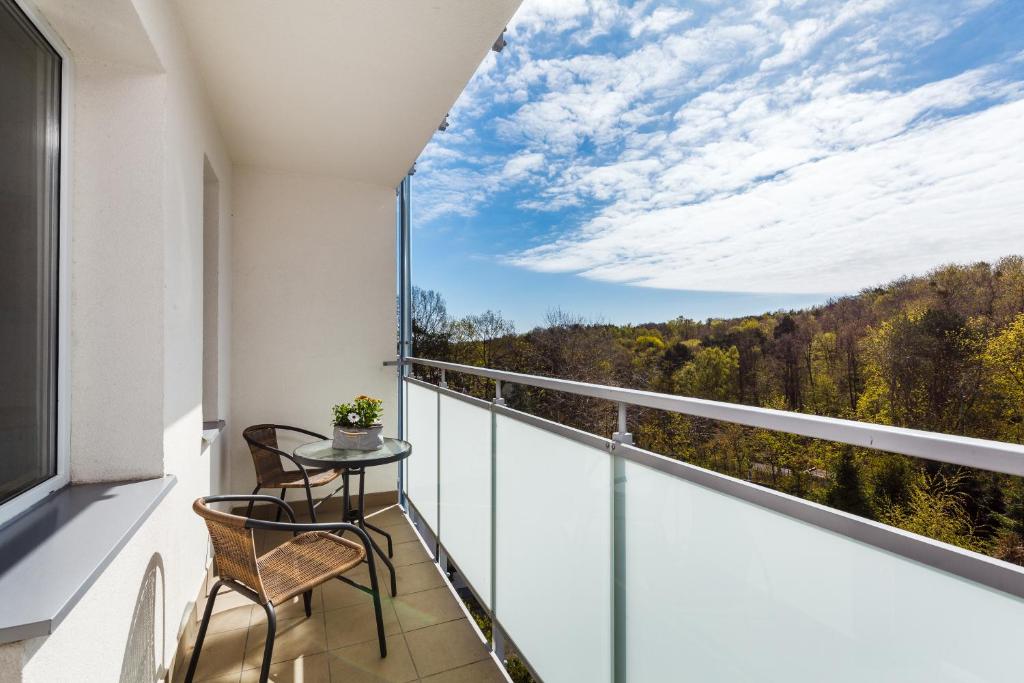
{"x":358,"y":438}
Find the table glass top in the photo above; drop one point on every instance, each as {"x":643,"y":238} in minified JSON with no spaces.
{"x":324,"y":452}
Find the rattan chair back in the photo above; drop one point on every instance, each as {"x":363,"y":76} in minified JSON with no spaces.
{"x":234,"y":550}
{"x":261,"y":439}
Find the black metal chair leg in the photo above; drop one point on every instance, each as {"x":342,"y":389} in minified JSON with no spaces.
{"x":207,"y":613}
{"x":384,"y":534}
{"x":387,"y":563}
{"x":279,"y":508}
{"x":268,"y":648}
{"x":307,"y":601}
{"x":312,"y":508}
{"x":376,"y":604}
{"x":248,"y":510}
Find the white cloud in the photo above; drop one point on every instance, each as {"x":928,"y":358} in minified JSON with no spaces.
{"x":519,"y":167}
{"x":659,"y":21}
{"x":950,"y":191}
{"x":737,"y":145}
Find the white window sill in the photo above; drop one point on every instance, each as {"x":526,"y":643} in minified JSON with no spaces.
{"x":212,"y":430}
{"x":52,"y":554}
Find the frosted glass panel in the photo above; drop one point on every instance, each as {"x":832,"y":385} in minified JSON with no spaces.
{"x":422,"y":469}
{"x":466,"y":490}
{"x":553,"y":532}
{"x":724,"y":590}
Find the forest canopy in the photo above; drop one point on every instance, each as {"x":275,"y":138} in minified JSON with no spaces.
{"x":941,"y":352}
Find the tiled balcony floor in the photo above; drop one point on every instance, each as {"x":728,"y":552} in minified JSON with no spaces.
{"x":429,"y":637}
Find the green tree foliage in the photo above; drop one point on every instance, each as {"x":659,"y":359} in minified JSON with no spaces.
{"x":1003,"y":362}
{"x":943,"y":352}
{"x":712,"y":373}
{"x":847,"y":490}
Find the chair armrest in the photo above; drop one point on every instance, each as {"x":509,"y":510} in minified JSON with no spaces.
{"x":239,"y":497}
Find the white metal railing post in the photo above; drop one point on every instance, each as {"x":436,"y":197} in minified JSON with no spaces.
{"x":444,"y":382}
{"x":623,"y":435}
{"x":497,"y":635}
{"x":437,"y":532}
{"x":618,"y":559}
{"x":404,"y":318}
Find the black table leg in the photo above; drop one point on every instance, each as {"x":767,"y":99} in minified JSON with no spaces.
{"x":362,"y":523}
{"x":362,"y":517}
{"x":367,"y":525}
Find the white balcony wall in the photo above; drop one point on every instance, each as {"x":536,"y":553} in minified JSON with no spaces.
{"x":306,"y":286}
{"x":141,"y":129}
{"x":313,"y":277}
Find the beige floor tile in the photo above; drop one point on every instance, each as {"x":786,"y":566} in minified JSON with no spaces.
{"x":230,"y":619}
{"x":426,"y":608}
{"x":445,"y":646}
{"x":227,"y":599}
{"x":400,"y":533}
{"x":293,"y":609}
{"x":362,"y":663}
{"x":336,"y":594}
{"x":387,"y":517}
{"x":357,"y":624}
{"x":310,"y":669}
{"x":412,"y":552}
{"x":233,"y":678}
{"x":485,"y":671}
{"x":295,"y":638}
{"x":414,"y":578}
{"x":221,"y":655}
{"x":361,"y":573}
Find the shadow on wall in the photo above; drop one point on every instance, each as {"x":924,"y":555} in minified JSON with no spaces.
{"x":141,"y":662}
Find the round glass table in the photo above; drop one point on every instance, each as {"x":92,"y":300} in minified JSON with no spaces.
{"x":323,"y":455}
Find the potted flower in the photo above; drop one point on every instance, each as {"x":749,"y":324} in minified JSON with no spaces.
{"x":356,"y":424}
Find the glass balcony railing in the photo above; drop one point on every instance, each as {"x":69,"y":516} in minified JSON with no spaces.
{"x":600,"y":561}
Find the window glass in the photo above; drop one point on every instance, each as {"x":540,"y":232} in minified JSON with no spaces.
{"x":29,"y":140}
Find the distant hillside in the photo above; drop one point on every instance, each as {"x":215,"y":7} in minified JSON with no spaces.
{"x":941,"y":352}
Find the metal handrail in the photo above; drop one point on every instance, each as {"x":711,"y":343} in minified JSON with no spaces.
{"x":994,"y":456}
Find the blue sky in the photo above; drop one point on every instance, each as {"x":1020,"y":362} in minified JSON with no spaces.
{"x":634,"y":162}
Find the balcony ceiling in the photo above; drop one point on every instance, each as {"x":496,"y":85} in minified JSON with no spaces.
{"x":341,"y":87}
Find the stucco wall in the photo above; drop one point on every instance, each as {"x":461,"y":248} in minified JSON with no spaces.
{"x":306,"y":314}
{"x":141,"y":130}
{"x":313,"y":317}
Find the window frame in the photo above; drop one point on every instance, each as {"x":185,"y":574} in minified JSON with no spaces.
{"x":16,"y":506}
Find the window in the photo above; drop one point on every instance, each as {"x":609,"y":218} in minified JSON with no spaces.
{"x":30,"y":262}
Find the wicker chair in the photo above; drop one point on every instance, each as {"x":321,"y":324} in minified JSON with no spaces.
{"x":314,"y":555}
{"x":270,"y":473}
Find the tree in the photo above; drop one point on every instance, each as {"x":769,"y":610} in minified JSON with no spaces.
{"x":1003,"y":359}
{"x":787,"y":350}
{"x":429,"y":311}
{"x":847,"y":492}
{"x":935,"y":509}
{"x":713,"y":373}
{"x":431,"y":326}
{"x":923,"y":371}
